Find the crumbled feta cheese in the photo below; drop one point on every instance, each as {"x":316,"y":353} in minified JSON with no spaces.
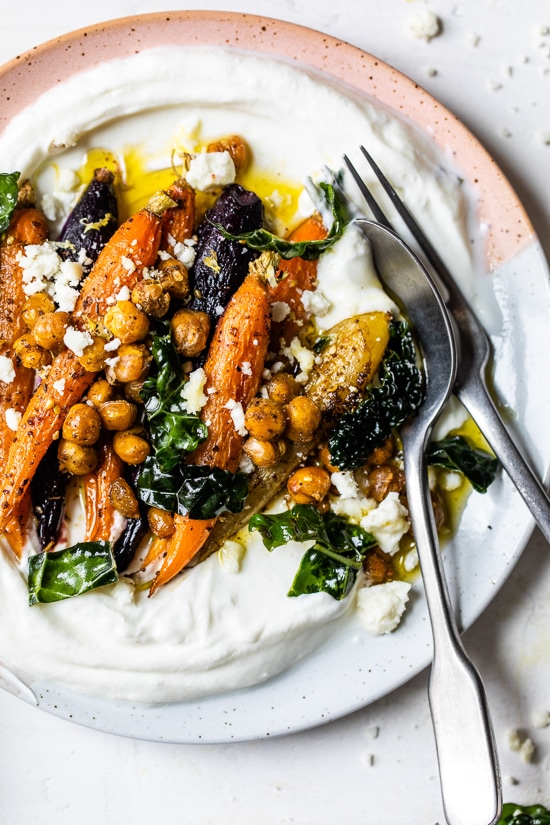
{"x":541,"y":718}
{"x":473,"y":39}
{"x":381,"y":606}
{"x":230,"y":556}
{"x":123,"y":294}
{"x":67,"y":180}
{"x":388,"y":523}
{"x":315,"y":302}
{"x":514,"y":739}
{"x":59,"y":385}
{"x":246,"y":465}
{"x":77,"y":341}
{"x":44,"y":271}
{"x":7,"y":370}
{"x":48,"y":205}
{"x":13,"y":417}
{"x":219,"y":310}
{"x":210,"y":169}
{"x":113,"y":345}
{"x":346,"y":484}
{"x":304,"y":356}
{"x":184,"y":252}
{"x":237,"y":415}
{"x":193,"y":391}
{"x":527,"y":750}
{"x":246,"y":368}
{"x":425,"y":25}
{"x":411,"y":561}
{"x":112,"y":362}
{"x":279,"y":310}
{"x":450,"y":481}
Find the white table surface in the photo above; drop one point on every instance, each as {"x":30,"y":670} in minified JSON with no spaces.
{"x":377,"y":766}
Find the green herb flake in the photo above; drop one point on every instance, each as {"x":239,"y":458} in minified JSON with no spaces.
{"x":62,"y":574}
{"x":264,"y":241}
{"x":8,"y":197}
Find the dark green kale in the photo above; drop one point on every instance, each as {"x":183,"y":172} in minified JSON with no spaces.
{"x":388,"y":404}
{"x":174,"y":431}
{"x":513,"y":814}
{"x":457,"y":454}
{"x":331,"y":565}
{"x":62,"y":574}
{"x":191,"y":490}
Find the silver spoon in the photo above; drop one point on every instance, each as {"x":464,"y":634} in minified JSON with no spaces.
{"x":468,"y":764}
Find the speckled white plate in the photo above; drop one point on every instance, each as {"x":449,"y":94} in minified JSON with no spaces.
{"x":352,"y":669}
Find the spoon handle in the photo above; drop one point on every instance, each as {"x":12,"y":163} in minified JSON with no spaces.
{"x":468,"y":764}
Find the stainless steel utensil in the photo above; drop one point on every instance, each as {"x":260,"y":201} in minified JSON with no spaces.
{"x":475,"y":352}
{"x":468,"y":765}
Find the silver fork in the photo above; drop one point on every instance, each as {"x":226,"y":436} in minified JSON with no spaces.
{"x":468,"y":765}
{"x":475,"y":352}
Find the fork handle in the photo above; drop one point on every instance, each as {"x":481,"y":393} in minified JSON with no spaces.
{"x":466,"y":753}
{"x":475,"y":396}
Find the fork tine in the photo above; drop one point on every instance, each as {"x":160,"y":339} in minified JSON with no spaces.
{"x":423,"y":241}
{"x":367,"y":194}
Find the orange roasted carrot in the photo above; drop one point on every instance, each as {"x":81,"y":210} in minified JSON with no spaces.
{"x":27,"y":226}
{"x":120,"y":264}
{"x":295,"y":276}
{"x":100,"y":513}
{"x":241,"y":338}
{"x":178,"y":223}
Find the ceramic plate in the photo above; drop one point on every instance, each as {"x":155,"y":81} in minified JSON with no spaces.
{"x":351,"y":669}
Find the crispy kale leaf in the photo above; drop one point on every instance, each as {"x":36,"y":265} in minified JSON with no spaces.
{"x":457,"y":454}
{"x":387,"y":405}
{"x":8,"y":197}
{"x":331,"y":565}
{"x":513,"y":814}
{"x":62,"y":574}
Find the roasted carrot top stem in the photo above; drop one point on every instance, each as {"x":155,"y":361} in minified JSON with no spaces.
{"x":133,"y":247}
{"x":233,"y":368}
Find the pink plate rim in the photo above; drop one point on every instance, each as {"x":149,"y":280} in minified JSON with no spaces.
{"x":26,"y":77}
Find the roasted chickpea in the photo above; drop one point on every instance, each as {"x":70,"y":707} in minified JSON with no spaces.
{"x":326,"y":460}
{"x":30,"y":354}
{"x":303,"y":418}
{"x":174,"y":278}
{"x":76,"y":459}
{"x":100,"y":392}
{"x":35,"y":306}
{"x":151,"y":298}
{"x":131,"y":445}
{"x":378,"y":566}
{"x":382,"y":454}
{"x":161,"y":522}
{"x":264,"y":453}
{"x":123,"y":499}
{"x":132,"y":391}
{"x":50,"y":329}
{"x":237,"y":148}
{"x":94,"y":355}
{"x":118,"y":415}
{"x":282,"y":388}
{"x":82,"y":425}
{"x":380,"y":481}
{"x":133,"y":362}
{"x":190,"y":331}
{"x":309,"y":485}
{"x":264,"y":419}
{"x":127,"y":322}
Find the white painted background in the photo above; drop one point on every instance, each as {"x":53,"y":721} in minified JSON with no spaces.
{"x":376,"y":767}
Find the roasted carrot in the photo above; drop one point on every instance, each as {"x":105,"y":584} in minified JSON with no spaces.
{"x":233,"y":368}
{"x":27,"y":226}
{"x":120,"y":264}
{"x":100,"y":513}
{"x":295,"y":276}
{"x":178,"y":223}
